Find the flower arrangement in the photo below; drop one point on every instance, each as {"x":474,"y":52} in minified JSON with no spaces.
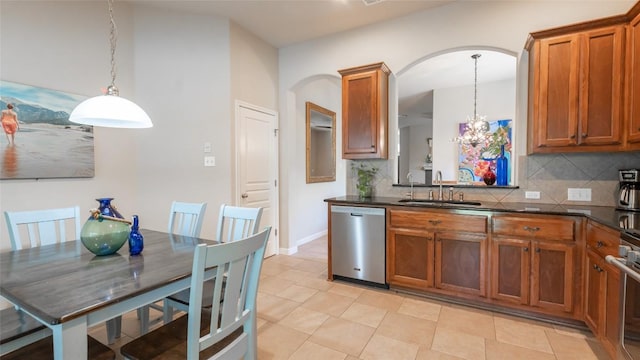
{"x":499,"y":138}
{"x":366,"y":174}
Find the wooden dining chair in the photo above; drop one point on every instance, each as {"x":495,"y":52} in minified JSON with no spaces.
{"x":184,"y":219}
{"x":21,"y":336}
{"x":227,"y":330}
{"x":234,"y":223}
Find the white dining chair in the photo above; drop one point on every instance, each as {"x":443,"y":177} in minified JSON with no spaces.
{"x":227,"y":330}
{"x":184,"y":219}
{"x":43,"y":227}
{"x":39,"y":228}
{"x":234,"y":223}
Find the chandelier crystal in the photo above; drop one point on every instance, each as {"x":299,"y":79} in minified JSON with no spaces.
{"x":477,"y":128}
{"x":111,"y":110}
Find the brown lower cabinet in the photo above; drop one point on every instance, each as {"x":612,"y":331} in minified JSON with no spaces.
{"x":535,"y":273}
{"x":530,"y":262}
{"x":437,"y":251}
{"x":602,"y":287}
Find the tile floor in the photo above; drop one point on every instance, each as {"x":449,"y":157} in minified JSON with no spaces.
{"x":303,"y":316}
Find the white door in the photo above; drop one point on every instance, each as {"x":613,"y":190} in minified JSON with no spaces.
{"x":257,"y":165}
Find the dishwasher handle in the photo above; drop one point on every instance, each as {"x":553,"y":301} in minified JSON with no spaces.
{"x":358,"y":211}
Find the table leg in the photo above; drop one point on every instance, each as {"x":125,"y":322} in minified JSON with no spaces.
{"x":70,"y":339}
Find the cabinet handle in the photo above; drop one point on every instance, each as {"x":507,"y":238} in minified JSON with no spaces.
{"x":572,"y":136}
{"x":373,"y":146}
{"x":537,"y":250}
{"x":434,"y":222}
{"x":531,"y":229}
{"x":599,"y":244}
{"x":595,"y":266}
{"x":584,"y":135}
{"x":525,"y":249}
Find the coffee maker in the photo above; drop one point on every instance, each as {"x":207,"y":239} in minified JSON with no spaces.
{"x":629,"y":190}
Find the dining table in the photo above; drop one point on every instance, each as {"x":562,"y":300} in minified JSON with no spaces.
{"x":69,"y":289}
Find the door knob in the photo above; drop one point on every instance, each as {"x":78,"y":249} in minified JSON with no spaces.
{"x":244,"y":196}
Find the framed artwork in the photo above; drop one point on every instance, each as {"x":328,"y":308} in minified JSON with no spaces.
{"x":45,"y":144}
{"x":473,"y":162}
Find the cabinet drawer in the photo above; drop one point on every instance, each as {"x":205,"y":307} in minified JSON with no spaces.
{"x":539,"y":227}
{"x":602,"y":240}
{"x":436,"y":221}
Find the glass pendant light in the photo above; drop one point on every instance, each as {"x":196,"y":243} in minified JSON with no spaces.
{"x":110,"y":110}
{"x":477,"y":128}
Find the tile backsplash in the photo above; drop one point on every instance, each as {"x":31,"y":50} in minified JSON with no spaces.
{"x":550,"y":174}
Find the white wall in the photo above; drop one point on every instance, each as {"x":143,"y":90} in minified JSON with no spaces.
{"x":399,"y":43}
{"x":418,"y":135}
{"x":41,"y":45}
{"x":452,"y":106}
{"x":306,"y":213}
{"x":175,"y":66}
{"x":183,"y":74}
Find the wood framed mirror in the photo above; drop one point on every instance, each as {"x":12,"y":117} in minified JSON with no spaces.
{"x":321,"y":144}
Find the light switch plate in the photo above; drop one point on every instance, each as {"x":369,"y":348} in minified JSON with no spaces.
{"x":209,"y":161}
{"x":574,"y":194}
{"x":532,"y":194}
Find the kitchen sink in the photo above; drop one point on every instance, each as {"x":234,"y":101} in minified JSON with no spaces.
{"x":427,"y":202}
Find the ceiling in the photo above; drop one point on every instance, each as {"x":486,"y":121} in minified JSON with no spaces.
{"x":450,"y":70}
{"x":286,"y":22}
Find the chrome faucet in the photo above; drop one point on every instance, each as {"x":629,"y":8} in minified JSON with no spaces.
{"x":439,"y":181}
{"x":410,"y":178}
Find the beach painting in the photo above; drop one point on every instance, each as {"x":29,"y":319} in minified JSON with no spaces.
{"x":46,"y":144}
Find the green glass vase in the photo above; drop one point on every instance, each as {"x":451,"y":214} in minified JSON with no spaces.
{"x":103,"y":236}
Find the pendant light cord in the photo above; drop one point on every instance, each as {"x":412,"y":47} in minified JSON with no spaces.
{"x":475,"y":84}
{"x":113,"y":39}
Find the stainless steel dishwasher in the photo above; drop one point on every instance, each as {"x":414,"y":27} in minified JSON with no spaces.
{"x":358,"y":244}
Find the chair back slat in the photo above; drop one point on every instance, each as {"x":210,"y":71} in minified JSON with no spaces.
{"x":186,"y":218}
{"x":236,"y":223}
{"x":239,"y":263}
{"x":43,"y":227}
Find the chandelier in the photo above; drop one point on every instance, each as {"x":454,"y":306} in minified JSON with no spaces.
{"x":477,"y":128}
{"x":111,"y":110}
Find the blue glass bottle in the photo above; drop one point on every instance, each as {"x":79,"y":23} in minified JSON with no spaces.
{"x":136,"y":243}
{"x":502,"y":168}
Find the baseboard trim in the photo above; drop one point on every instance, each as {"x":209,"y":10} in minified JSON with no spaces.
{"x":288,"y":251}
{"x":311,"y":237}
{"x":294,"y":249}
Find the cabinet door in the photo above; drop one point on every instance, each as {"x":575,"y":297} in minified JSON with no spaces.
{"x":558,"y":92}
{"x":633,"y":96}
{"x":365,"y":112}
{"x":601,"y":114}
{"x":552,"y":276}
{"x":595,"y":299}
{"x":360,"y":113}
{"x":510,"y":270}
{"x":410,"y":259}
{"x":460,"y":262}
{"x":611,"y":327}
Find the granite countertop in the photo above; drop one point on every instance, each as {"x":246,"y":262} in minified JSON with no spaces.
{"x":605,"y":215}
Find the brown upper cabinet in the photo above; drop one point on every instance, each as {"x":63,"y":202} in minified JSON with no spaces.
{"x":633,"y":80}
{"x":365,"y":112}
{"x":579,"y":98}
